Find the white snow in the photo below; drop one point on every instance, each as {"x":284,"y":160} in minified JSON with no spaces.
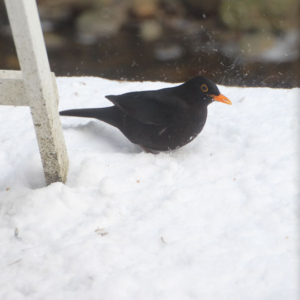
{"x":285,"y":49}
{"x":216,"y":219}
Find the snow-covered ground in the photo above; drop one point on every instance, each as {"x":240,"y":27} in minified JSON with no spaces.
{"x":216,"y":219}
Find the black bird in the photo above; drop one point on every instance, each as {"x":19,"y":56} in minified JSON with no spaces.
{"x":159,"y":120}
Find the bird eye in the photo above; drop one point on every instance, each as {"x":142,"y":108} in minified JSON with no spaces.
{"x":204,"y":88}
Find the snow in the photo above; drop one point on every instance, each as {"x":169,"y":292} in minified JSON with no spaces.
{"x":285,"y":49}
{"x":216,"y":219}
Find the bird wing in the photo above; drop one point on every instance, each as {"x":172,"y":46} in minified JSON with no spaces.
{"x":149,"y":107}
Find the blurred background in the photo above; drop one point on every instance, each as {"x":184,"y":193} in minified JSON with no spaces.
{"x":233,"y":42}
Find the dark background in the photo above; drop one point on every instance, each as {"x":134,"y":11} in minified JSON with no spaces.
{"x":244,"y":43}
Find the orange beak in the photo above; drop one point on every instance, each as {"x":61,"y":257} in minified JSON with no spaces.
{"x":221,"y":98}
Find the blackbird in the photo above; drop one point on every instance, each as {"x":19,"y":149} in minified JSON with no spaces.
{"x":159,"y":120}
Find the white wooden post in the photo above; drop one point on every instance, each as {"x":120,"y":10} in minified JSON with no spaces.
{"x":35,"y":86}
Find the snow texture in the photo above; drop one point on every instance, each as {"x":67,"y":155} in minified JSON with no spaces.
{"x":216,"y":219}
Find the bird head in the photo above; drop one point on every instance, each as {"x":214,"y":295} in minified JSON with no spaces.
{"x":206,"y":90}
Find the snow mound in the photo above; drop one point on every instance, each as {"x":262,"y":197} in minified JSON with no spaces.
{"x":216,"y":219}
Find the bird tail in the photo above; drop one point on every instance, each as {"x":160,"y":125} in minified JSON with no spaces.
{"x":110,"y":115}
